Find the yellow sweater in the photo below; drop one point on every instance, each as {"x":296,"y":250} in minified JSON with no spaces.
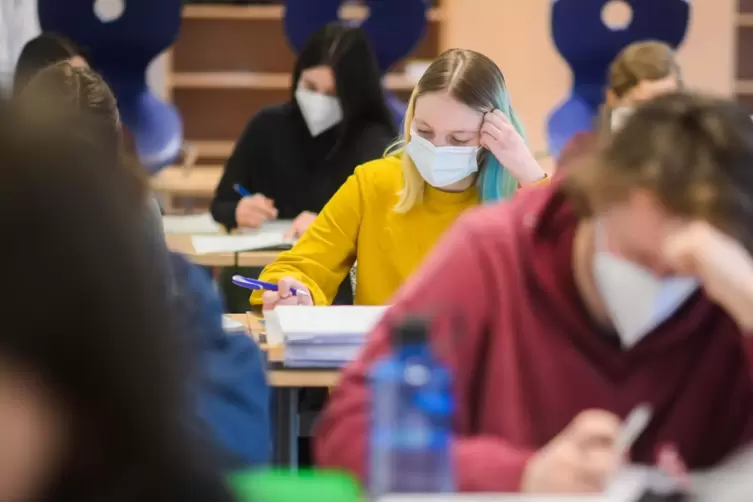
{"x":358,"y":223}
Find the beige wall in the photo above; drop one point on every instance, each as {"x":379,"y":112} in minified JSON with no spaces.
{"x":516,"y":34}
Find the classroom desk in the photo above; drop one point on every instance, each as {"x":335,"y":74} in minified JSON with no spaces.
{"x":181,"y":243}
{"x":175,"y":181}
{"x":286,"y":384}
{"x":256,"y":258}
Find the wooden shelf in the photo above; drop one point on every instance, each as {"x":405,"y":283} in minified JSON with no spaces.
{"x":260,"y":81}
{"x":262,"y":12}
{"x":212,"y":149}
{"x":744,"y":87}
{"x":178,"y":181}
{"x":745,"y":19}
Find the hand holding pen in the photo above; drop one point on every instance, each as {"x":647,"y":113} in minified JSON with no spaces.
{"x":287,"y":291}
{"x":253,"y":209}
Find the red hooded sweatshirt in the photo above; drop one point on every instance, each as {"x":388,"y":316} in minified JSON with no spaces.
{"x":529,"y":358}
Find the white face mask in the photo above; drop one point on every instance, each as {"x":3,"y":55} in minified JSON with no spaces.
{"x":619,"y":116}
{"x":321,"y":112}
{"x":637,"y":300}
{"x":442,"y":166}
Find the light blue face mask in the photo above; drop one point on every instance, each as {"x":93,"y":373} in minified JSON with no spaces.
{"x":441,"y":166}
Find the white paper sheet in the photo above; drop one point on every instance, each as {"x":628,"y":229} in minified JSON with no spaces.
{"x":205,"y":244}
{"x":340,"y":324}
{"x":231,"y":325}
{"x":191,"y":224}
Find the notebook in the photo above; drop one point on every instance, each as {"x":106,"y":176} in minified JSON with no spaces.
{"x":270,"y":236}
{"x":205,"y":244}
{"x":191,"y":224}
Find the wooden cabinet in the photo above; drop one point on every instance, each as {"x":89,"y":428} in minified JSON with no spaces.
{"x":744,"y":63}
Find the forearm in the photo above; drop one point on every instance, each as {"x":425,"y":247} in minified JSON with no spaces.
{"x":531,"y":172}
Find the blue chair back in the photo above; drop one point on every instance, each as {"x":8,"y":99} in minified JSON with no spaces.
{"x":394,"y":27}
{"x":589,"y":46}
{"x":121,"y":49}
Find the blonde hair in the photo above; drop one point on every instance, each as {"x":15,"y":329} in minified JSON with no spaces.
{"x":476,"y":81}
{"x":641,"y":61}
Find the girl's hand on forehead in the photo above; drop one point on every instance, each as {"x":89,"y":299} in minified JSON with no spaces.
{"x":499,"y":136}
{"x":722,"y":264}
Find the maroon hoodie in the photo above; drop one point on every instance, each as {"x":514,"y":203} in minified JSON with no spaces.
{"x":529,"y":357}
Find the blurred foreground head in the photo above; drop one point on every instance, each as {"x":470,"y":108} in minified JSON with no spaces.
{"x":91,"y":385}
{"x":678,"y":158}
{"x":78,"y":98}
{"x":44,"y":50}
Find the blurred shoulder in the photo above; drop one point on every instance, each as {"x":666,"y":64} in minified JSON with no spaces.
{"x":272,"y":115}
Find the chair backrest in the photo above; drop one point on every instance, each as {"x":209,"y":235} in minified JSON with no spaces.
{"x":589,"y":46}
{"x":122,"y":38}
{"x":394,"y":26}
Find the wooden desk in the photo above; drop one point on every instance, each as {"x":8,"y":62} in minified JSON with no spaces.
{"x":199,"y":181}
{"x":182,"y":244}
{"x":286,"y":383}
{"x":288,"y":377}
{"x":256,"y":258}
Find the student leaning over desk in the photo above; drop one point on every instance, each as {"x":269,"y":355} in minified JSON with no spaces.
{"x":629,"y":282}
{"x":462,"y":144}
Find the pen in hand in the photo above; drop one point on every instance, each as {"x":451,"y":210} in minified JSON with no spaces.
{"x":241,"y":191}
{"x":255,"y":285}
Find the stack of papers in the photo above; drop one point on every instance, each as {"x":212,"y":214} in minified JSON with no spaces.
{"x":320,"y":337}
{"x":191,"y":224}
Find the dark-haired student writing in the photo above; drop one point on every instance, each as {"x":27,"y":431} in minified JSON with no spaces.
{"x":293,"y":157}
{"x":628,"y":282}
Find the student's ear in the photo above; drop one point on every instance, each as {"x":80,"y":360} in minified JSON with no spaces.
{"x":612,"y":99}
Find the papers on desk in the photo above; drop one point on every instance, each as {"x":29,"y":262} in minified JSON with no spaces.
{"x":232,"y":326}
{"x":323,"y":337}
{"x":270,"y":236}
{"x":191,"y":224}
{"x":236,"y":243}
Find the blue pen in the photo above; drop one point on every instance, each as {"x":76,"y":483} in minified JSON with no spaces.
{"x":241,"y":191}
{"x":255,"y":285}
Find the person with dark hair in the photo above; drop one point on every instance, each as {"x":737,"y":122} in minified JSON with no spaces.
{"x":294,"y":156}
{"x":626,"y":285}
{"x":44,"y":50}
{"x":92,"y":386}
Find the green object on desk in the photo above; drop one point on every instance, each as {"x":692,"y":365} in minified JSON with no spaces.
{"x":302,"y":486}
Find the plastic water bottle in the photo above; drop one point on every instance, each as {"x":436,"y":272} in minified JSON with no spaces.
{"x":411,"y":418}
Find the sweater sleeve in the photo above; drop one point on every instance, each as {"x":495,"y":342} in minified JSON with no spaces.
{"x":453,"y":283}
{"x":324,"y":254}
{"x":246,"y":157}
